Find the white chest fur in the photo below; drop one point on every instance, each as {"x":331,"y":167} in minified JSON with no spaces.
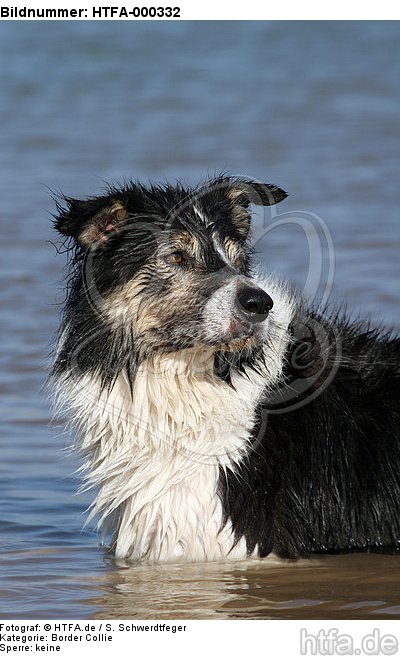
{"x":155,"y":455}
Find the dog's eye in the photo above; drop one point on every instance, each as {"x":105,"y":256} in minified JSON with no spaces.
{"x":177,"y":258}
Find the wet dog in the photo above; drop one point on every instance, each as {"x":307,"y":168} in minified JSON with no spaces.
{"x":218,"y":415}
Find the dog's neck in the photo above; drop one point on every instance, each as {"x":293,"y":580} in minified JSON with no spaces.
{"x":180,"y":405}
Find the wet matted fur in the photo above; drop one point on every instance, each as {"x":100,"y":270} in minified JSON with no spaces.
{"x":219,"y":417}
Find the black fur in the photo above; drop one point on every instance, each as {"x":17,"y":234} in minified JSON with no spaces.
{"x":324,"y":477}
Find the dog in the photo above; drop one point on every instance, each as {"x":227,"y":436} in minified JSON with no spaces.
{"x":219,"y":416}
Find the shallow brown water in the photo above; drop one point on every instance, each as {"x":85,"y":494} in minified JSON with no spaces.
{"x":334,"y":587}
{"x":356,"y":586}
{"x":310,"y":106}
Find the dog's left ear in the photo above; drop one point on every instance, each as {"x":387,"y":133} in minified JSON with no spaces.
{"x":242,"y":193}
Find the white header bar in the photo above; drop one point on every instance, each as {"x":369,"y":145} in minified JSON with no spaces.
{"x":131,"y":10}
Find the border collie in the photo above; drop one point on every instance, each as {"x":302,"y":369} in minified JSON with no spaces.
{"x":219,"y":416}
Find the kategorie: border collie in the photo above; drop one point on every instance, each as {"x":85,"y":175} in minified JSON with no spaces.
{"x":219,"y":417}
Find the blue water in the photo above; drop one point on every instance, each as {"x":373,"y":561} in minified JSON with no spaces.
{"x":313,"y":107}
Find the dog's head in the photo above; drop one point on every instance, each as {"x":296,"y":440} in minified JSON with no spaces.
{"x":171,"y":265}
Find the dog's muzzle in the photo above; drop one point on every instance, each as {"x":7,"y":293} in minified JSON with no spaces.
{"x":237,"y":311}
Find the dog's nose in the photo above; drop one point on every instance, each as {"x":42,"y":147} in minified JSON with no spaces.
{"x":254,"y":303}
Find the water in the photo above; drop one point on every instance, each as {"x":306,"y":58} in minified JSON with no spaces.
{"x":311,"y":106}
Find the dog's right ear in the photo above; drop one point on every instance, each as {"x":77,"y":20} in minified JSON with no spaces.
{"x":90,"y":222}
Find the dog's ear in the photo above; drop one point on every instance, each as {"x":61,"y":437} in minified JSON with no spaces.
{"x":245,"y":192}
{"x":90,"y":222}
{"x":242,"y":193}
